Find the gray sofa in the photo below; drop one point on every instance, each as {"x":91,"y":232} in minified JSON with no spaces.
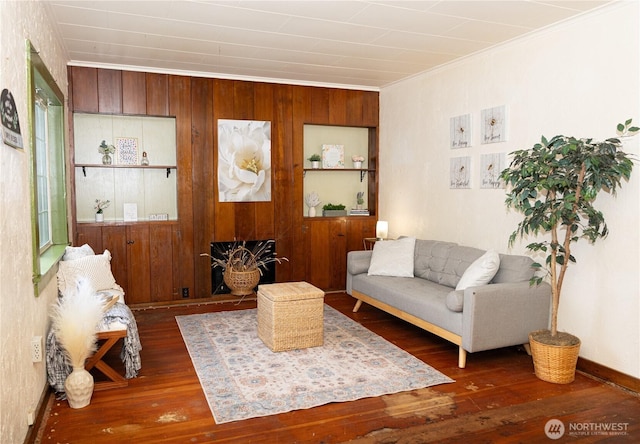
{"x":499,"y":314}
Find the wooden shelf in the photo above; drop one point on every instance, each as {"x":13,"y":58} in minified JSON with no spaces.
{"x":145,"y":167}
{"x":149,"y":167}
{"x":362,"y":171}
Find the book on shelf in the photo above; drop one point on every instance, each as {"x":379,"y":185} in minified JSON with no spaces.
{"x":359,"y":212}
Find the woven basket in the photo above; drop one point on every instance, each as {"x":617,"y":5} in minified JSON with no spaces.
{"x":290,"y":316}
{"x":554,"y":363}
{"x":241,"y":282}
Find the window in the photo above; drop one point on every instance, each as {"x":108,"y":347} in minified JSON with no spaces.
{"x":48,"y":192}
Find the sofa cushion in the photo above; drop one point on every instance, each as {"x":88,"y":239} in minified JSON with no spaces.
{"x":393,"y":258}
{"x":454,"y":300}
{"x":419,"y":297}
{"x":460,"y":258}
{"x":430,"y":259}
{"x":514,"y":268}
{"x":481,"y":271}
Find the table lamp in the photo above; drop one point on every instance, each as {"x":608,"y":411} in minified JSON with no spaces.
{"x":382,"y":229}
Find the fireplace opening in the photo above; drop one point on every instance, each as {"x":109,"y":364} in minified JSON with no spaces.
{"x":268,"y":275}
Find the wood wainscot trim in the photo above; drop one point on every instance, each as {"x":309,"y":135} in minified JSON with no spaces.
{"x":607,"y":374}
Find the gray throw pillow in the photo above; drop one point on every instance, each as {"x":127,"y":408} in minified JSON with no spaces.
{"x":455,"y":300}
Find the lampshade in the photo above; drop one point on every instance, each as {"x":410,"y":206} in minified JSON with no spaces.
{"x":382,"y":229}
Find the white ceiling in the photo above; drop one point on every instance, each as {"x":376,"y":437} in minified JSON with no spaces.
{"x":357,"y":44}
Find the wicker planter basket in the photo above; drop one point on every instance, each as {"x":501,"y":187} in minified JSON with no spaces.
{"x":241,"y":282}
{"x":554,"y":363}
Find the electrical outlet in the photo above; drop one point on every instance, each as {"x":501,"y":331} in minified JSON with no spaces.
{"x":36,"y":349}
{"x":31,"y":417}
{"x":185,"y":292}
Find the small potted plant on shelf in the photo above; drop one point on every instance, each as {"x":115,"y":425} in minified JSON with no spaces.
{"x":106,"y":151}
{"x":99,"y":207}
{"x":330,"y":209}
{"x":357,"y":161}
{"x":359,"y":200}
{"x":555,"y":185}
{"x":315,"y":161}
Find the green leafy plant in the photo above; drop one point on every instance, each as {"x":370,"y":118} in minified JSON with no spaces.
{"x":331,"y":206}
{"x":315,"y":158}
{"x":555,"y":184}
{"x":106,"y":149}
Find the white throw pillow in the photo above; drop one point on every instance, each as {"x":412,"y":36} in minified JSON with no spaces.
{"x":393,"y":258}
{"x":481,"y":271}
{"x":72,"y":253}
{"x":96,"y":269}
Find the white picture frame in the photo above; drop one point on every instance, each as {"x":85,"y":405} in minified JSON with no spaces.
{"x":130,"y":212}
{"x":491,"y":165}
{"x":460,"y":131}
{"x":494,"y":124}
{"x":332,"y":156}
{"x":460,"y":172}
{"x":127,"y":151}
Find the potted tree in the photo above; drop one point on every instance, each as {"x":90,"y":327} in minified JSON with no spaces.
{"x":555,"y":185}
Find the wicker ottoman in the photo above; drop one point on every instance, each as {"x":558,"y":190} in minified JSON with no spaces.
{"x":290,"y":315}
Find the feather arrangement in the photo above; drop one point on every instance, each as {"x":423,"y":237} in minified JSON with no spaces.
{"x":74,"y":321}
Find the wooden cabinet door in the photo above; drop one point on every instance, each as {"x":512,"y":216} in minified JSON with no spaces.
{"x":90,"y":235}
{"x":139,"y":264}
{"x":161,"y":260}
{"x":114,"y":239}
{"x":326,"y":247}
{"x":141,"y":258}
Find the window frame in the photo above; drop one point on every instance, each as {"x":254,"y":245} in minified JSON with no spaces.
{"x":40,"y":83}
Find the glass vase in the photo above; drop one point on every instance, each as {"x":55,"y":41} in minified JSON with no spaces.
{"x":106,"y":159}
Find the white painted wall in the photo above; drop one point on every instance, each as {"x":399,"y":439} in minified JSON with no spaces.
{"x":579,"y":78}
{"x":22,"y":315}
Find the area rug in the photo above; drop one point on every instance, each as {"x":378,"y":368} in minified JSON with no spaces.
{"x":242,"y":378}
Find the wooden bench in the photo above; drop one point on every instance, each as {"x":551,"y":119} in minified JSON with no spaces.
{"x":106,"y":340}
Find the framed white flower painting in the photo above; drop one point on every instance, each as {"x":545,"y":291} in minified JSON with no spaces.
{"x":244,"y":160}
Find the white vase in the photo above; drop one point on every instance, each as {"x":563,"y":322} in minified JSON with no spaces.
{"x":79,"y":387}
{"x":315,"y":164}
{"x":312,"y":211}
{"x":99,"y":217}
{"x":357,"y":165}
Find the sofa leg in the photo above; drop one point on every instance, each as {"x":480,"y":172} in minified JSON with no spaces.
{"x":357,"y":306}
{"x":462,"y":357}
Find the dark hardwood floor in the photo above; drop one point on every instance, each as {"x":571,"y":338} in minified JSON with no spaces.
{"x":497,"y":398}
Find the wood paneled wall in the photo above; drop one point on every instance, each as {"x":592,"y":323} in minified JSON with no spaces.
{"x":197,"y":103}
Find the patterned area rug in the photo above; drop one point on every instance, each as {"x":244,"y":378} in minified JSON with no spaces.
{"x":242,"y":378}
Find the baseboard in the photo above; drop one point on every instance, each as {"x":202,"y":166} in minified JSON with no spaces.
{"x":40,"y":416}
{"x":608,"y":374}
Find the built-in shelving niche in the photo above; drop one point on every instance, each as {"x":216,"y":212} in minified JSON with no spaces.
{"x":341,"y":185}
{"x":152,"y":188}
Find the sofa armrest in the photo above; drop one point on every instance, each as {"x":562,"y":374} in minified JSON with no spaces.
{"x":502,"y":315}
{"x":357,"y":263}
